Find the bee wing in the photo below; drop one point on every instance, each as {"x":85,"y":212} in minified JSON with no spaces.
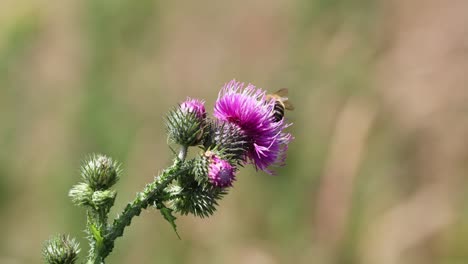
{"x":283,"y":92}
{"x":288,"y":105}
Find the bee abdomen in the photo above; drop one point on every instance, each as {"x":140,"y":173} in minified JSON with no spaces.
{"x":278,"y":112}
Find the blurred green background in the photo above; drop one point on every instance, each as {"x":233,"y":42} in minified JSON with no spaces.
{"x":376,"y":174}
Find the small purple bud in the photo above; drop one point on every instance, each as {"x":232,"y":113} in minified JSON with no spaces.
{"x":194,"y":106}
{"x":220,"y":172}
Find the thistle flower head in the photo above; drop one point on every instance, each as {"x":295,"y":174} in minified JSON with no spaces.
{"x":248,"y":108}
{"x":195,"y":106}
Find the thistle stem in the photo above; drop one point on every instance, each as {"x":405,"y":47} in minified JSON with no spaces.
{"x":183,"y":153}
{"x":152,"y":192}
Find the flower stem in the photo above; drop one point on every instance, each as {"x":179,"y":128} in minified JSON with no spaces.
{"x":152,"y":193}
{"x":183,"y":153}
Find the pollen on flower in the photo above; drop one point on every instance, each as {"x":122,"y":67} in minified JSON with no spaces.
{"x":249,"y":109}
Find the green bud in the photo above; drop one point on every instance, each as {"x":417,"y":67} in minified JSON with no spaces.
{"x":200,"y":169}
{"x":195,"y":199}
{"x":104,"y":198}
{"x":61,"y":249}
{"x":100,"y":172}
{"x":81,"y":194}
{"x":185,"y":127}
{"x":228,"y":139}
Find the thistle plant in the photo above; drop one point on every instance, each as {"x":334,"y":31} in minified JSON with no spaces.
{"x":242,"y":131}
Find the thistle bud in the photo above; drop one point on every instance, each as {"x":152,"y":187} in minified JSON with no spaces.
{"x":104,"y":198}
{"x":100,"y":172}
{"x":61,"y":249}
{"x":185,"y":124}
{"x":195,"y":199}
{"x":220,"y":172}
{"x":81,"y":194}
{"x":229,"y":139}
{"x":194,"y":106}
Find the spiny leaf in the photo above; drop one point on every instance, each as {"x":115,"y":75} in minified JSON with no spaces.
{"x":167,"y":214}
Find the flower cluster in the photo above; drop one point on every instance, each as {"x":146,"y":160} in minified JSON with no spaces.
{"x":247,"y":127}
{"x":242,"y":131}
{"x":99,"y":173}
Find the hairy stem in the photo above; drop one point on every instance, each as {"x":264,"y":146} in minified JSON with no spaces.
{"x":97,"y":230}
{"x":183,"y":153}
{"x":152,"y":193}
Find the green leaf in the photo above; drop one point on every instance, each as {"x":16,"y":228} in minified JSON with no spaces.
{"x":167,"y":214}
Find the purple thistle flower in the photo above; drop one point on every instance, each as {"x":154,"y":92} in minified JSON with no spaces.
{"x":248,"y":108}
{"x":194,"y":106}
{"x":220,"y":172}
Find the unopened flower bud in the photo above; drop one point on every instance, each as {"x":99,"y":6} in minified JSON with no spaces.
{"x":220,"y":172}
{"x":81,"y":194}
{"x":228,"y":138}
{"x":60,"y":249}
{"x":195,"y":199}
{"x":185,"y":124}
{"x":104,"y":198}
{"x":194,"y":106}
{"x":100,"y":172}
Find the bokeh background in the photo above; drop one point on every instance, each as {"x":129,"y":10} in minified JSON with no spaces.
{"x":376,"y":174}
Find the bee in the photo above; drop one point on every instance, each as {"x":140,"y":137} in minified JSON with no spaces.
{"x":281,"y":103}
